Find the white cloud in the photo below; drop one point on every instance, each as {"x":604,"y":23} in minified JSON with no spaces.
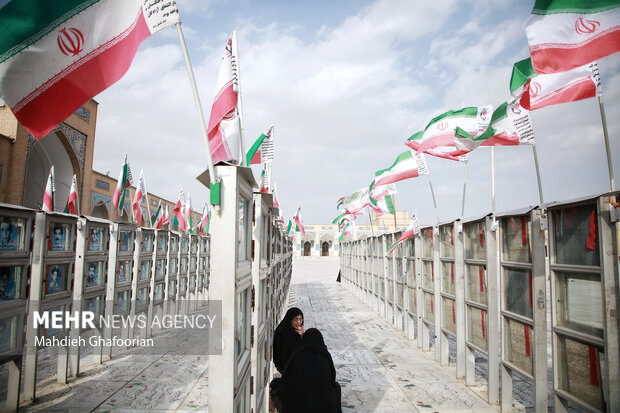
{"x":344,"y":100}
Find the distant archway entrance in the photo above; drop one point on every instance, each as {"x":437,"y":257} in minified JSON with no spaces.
{"x":307,"y":248}
{"x":100,"y":211}
{"x":325,"y":249}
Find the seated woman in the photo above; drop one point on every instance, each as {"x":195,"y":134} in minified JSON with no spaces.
{"x":309,"y":380}
{"x":287,"y":336}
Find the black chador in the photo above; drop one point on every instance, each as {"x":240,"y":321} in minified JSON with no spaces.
{"x":285,"y":339}
{"x":308,"y":384}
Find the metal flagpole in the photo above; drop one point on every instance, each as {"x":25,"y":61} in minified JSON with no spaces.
{"x":464,"y":189}
{"x":370,"y":220}
{"x":540,"y":190}
{"x":493,"y":180}
{"x":235,"y":62}
{"x":394,"y":203}
{"x":148,"y":208}
{"x":606,"y":136}
{"x":201,"y":118}
{"x":428,"y":175}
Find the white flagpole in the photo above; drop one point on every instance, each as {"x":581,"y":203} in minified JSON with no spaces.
{"x":540,"y":190}
{"x":607,"y":148}
{"x":493,"y":180}
{"x":201,"y":118}
{"x":428,"y":175}
{"x":235,"y":62}
{"x":464,"y":189}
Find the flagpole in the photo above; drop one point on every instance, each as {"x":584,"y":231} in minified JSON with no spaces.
{"x":370,"y":220}
{"x":607,"y":148}
{"x":464,"y":189}
{"x":201,"y":118}
{"x":428,"y":175}
{"x":540,"y":190}
{"x":493,"y":180}
{"x":394,"y":202}
{"x":148,"y":207}
{"x":235,"y":62}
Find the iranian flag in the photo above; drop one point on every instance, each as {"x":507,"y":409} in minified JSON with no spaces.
{"x":253,"y":157}
{"x":298,"y":222}
{"x":407,"y":165}
{"x":276,"y":204}
{"x":166,"y":217}
{"x":158,"y":220}
{"x":57,"y":54}
{"x":73,"y":205}
{"x":262,"y":182}
{"x":203,"y":225}
{"x":224,"y":128}
{"x":437,"y":138}
{"x":178,"y":213}
{"x":354,"y":203}
{"x":412,"y":230}
{"x":187,"y":213}
{"x":290,"y":228}
{"x":49,"y":194}
{"x":345,"y":230}
{"x":383,"y":206}
{"x":137,"y":200}
{"x":566,"y":34}
{"x":124,"y":182}
{"x":378,"y":192}
{"x":536,"y":91}
{"x":510,"y":125}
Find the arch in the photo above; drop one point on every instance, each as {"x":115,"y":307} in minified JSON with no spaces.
{"x":100,"y":211}
{"x":53,"y":149}
{"x":307,"y":249}
{"x":325,"y":249}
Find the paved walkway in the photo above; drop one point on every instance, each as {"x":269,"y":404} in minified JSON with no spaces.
{"x":379,"y":369}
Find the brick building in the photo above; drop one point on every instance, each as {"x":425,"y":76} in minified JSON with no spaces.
{"x":25,"y":163}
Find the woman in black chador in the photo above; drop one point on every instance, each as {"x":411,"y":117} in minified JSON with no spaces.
{"x":287,"y":336}
{"x":308,"y":384}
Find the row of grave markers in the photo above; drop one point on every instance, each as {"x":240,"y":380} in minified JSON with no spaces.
{"x":486,"y":286}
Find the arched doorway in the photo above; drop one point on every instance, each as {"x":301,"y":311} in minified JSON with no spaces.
{"x":100,"y":211}
{"x":325,"y":249}
{"x":46,"y":152}
{"x":307,"y":248}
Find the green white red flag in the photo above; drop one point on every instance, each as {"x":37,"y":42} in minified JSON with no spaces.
{"x":158,"y":219}
{"x":203,"y":225}
{"x":378,"y":192}
{"x":178,"y":213}
{"x":50,"y":190}
{"x":262,"y":182}
{"x":224,"y":128}
{"x":383,"y":206}
{"x":276,"y":204}
{"x":253,"y":157}
{"x":56,"y":54}
{"x":299,"y":223}
{"x":345,"y":230}
{"x":535,"y":91}
{"x":290,"y":229}
{"x":187,"y":213}
{"x":124,"y":182}
{"x":437,"y":138}
{"x":136,"y":204}
{"x":510,"y":125}
{"x":566,"y":34}
{"x":166,"y":216}
{"x":354,"y":203}
{"x":73,"y":203}
{"x":412,"y":230}
{"x":407,"y":165}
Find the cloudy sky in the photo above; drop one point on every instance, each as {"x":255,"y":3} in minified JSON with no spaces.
{"x":346,"y":83}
